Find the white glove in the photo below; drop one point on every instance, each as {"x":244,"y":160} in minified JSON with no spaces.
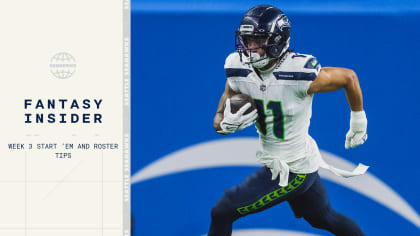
{"x":238,"y":121}
{"x":357,"y":134}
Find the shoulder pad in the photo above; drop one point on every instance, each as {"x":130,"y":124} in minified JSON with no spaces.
{"x":234,"y":61}
{"x":298,"y":55}
{"x":298,"y":67}
{"x":234,"y":67}
{"x":303,"y":61}
{"x":300,"y":59}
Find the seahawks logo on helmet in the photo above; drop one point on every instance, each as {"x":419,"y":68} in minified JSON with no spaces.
{"x":282,"y":23}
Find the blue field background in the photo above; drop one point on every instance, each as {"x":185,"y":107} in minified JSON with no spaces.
{"x":178,"y":53}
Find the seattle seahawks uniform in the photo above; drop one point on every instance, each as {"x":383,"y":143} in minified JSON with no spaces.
{"x":284,"y":109}
{"x":284,"y":112}
{"x":291,"y":157}
{"x":289,"y":154}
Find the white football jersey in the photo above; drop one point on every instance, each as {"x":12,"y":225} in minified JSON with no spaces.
{"x":284,"y":107}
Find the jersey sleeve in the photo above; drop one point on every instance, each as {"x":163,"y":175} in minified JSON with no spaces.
{"x":235,"y":71}
{"x":313,"y":65}
{"x":311,"y":69}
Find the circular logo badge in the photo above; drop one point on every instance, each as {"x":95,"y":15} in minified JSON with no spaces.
{"x":63,"y":65}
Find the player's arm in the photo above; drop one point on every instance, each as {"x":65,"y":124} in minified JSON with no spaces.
{"x":331,"y":79}
{"x":228,"y":93}
{"x":225,"y":122}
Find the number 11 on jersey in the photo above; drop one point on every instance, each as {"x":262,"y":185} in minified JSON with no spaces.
{"x":278,"y":118}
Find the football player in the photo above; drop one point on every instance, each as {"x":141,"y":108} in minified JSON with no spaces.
{"x":282,"y":83}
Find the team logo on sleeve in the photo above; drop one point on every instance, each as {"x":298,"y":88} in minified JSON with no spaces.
{"x":312,"y":64}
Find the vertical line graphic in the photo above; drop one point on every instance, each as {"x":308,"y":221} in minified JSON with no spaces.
{"x":26,"y":193}
{"x":126,"y":119}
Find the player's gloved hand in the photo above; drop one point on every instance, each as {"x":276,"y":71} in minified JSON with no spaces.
{"x":238,"y":121}
{"x":357,"y":134}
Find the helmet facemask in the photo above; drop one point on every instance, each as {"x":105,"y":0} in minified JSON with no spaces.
{"x":243,"y":40}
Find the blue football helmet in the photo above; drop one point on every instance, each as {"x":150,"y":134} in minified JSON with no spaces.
{"x":270,"y":28}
